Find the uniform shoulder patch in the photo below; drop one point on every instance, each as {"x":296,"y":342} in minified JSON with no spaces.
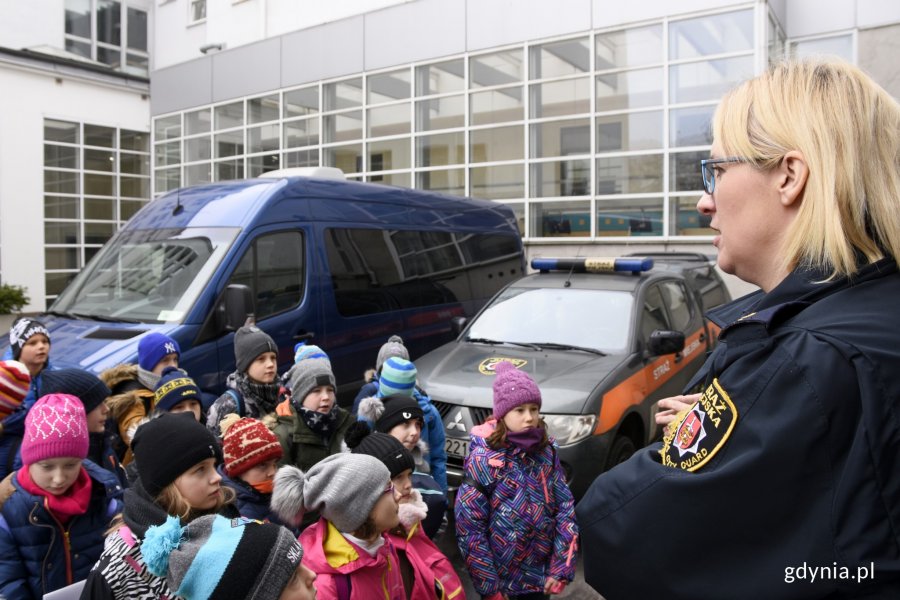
{"x":698,"y":434}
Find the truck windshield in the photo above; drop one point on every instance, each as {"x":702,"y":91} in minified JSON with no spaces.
{"x":595,"y":319}
{"x":147,"y":276}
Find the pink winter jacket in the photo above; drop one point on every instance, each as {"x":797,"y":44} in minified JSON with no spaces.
{"x":332,"y":557}
{"x":435,"y":578}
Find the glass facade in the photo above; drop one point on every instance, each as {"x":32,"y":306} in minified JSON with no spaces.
{"x":95,"y":179}
{"x":110,"y":32}
{"x":592,"y":136}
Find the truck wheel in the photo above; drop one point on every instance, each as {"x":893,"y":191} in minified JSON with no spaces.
{"x":622,"y":448}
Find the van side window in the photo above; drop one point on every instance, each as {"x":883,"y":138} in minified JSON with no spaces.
{"x":376,"y":270}
{"x":680,"y":311}
{"x":273,"y":268}
{"x":653,"y":316}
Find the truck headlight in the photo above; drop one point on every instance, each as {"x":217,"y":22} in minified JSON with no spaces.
{"x":569,"y":429}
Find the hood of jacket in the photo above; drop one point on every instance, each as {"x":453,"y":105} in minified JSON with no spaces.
{"x":326,"y":550}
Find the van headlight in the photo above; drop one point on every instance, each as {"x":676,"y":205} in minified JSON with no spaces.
{"x":569,"y":429}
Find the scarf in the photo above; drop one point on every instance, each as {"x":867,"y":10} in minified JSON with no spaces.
{"x":321,"y":424}
{"x":264,"y":487}
{"x":262,"y":396}
{"x":72,"y":503}
{"x":528,"y":440}
{"x":148,"y":379}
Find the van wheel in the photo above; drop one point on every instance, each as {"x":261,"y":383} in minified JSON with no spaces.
{"x":621,"y":450}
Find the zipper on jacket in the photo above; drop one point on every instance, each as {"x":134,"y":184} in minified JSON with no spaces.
{"x":67,"y":547}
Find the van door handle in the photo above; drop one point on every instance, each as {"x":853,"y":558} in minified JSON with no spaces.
{"x":678,"y":357}
{"x":303,"y":336}
{"x":702,"y":337}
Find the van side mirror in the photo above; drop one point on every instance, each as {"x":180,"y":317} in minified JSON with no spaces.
{"x":457,"y":324}
{"x":235,"y":307}
{"x":665,"y":342}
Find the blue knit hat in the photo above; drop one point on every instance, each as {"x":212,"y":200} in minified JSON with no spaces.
{"x":398,"y":378}
{"x":174,"y":386}
{"x":153,"y":347}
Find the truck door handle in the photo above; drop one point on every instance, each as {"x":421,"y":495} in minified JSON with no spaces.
{"x":678,"y":357}
{"x":303,"y":336}
{"x":702,"y":337}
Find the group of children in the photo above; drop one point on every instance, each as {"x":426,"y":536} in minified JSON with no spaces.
{"x":202,"y":509}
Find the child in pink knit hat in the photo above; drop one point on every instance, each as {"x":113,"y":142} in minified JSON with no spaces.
{"x":515,"y":515}
{"x":54,"y":521}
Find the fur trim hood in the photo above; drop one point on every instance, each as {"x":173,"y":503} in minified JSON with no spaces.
{"x":116,"y":375}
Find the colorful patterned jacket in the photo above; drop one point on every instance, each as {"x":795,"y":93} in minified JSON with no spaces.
{"x":515,"y":518}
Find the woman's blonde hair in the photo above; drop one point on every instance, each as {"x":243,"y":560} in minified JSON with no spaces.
{"x":848,"y":130}
{"x":171,"y":501}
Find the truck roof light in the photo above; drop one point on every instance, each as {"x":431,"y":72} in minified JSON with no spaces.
{"x":593,"y":265}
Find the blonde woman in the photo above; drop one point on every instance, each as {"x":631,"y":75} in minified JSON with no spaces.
{"x":782,"y":478}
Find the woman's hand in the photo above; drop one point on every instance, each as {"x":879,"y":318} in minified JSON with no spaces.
{"x":670,"y":407}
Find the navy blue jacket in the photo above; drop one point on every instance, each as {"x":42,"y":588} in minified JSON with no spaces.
{"x":36,"y":555}
{"x":250,"y":502}
{"x":789,"y":462}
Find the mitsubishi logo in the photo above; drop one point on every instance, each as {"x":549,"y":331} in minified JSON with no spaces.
{"x":457,"y":422}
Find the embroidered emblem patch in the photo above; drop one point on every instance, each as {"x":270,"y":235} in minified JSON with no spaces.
{"x":489,"y":365}
{"x":700,"y":431}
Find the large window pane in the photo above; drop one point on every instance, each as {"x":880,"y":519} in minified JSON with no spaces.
{"x":61,"y":182}
{"x":440,"y":78}
{"x":343,"y":94}
{"x":194,"y":174}
{"x":440,"y":113}
{"x":55,"y":283}
{"x":263,"y":138}
{"x":197,"y":149}
{"x":684,"y":171}
{"x":630,"y":174}
{"x":691,"y":126}
{"x":167,"y":127}
{"x":99,"y":185}
{"x":498,"y":143}
{"x":631,"y":217}
{"x":395,"y":179}
{"x":707,"y":80}
{"x":229,"y":169}
{"x":109,"y":22}
{"x":561,"y":219}
{"x":137,"y":29}
{"x":389,"y":120}
{"x":95,"y":135}
{"x":197,"y":121}
{"x":302,"y":158}
{"x":629,"y":48}
{"x":496,"y":69}
{"x":99,"y":160}
{"x":230,"y":115}
{"x":561,"y":138}
{"x":78,"y":18}
{"x":230,"y":143}
{"x":134,"y":187}
{"x":61,"y":258}
{"x":498,"y":181}
{"x":61,"y":207}
{"x":557,"y":59}
{"x":343,"y":126}
{"x":61,"y":157}
{"x":128,"y":208}
{"x":257,"y":165}
{"x":387,"y":155}
{"x":134,"y":140}
{"x":79,"y":48}
{"x":61,"y":131}
{"x":61,"y":233}
{"x":384,"y":87}
{"x":168,"y":154}
{"x":561,"y":178}
{"x":631,"y":89}
{"x":346,"y":158}
{"x":111,"y":57}
{"x":135,"y":164}
{"x":98,"y":233}
{"x":711,"y":34}
{"x":630,"y":131}
{"x":558,"y":98}
{"x":303,"y":132}
{"x":137,"y":64}
{"x":440,"y":149}
{"x":167,"y":179}
{"x":262,"y":110}
{"x":100,"y":209}
{"x":449,"y":181}
{"x":301,"y":102}
{"x":684,"y":218}
{"x":497,"y":106}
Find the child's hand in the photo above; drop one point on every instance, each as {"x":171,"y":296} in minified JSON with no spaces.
{"x":554,"y":586}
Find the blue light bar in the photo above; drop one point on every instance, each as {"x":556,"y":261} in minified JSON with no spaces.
{"x":593,"y":265}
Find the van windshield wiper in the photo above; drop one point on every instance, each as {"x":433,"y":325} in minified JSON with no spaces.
{"x":495,"y":342}
{"x":104,"y":319}
{"x":483,"y":341}
{"x":555,"y":346}
{"x":59,"y":313}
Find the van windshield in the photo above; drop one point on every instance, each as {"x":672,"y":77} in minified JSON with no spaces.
{"x":147,"y":276}
{"x":595,"y":319}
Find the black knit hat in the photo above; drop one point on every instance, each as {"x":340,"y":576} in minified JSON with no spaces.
{"x":249,"y":342}
{"x":169,"y":445}
{"x":21,"y":331}
{"x":85,"y":386}
{"x":386,"y":448}
{"x":398,"y":409}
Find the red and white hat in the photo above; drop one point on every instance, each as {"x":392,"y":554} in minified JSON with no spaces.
{"x":14,"y":383}
{"x":246,"y":443}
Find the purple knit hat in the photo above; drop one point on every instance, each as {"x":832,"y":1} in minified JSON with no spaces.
{"x":55,"y":427}
{"x":513,"y":388}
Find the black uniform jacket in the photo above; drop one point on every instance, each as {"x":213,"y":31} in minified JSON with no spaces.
{"x":783,"y":481}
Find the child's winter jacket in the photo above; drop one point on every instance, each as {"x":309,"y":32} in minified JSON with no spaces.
{"x":515,"y":518}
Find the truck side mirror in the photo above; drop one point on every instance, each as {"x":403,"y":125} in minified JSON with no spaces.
{"x":457,"y":324}
{"x":235,"y":307}
{"x":665,"y":342}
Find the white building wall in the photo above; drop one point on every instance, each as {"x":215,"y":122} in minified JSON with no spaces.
{"x":39,"y":95}
{"x":31,"y":23}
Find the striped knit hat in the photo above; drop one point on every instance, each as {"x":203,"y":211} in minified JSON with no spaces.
{"x":55,"y":427}
{"x":398,"y":378}
{"x":14,"y":383}
{"x":174,"y":386}
{"x":246,"y":443}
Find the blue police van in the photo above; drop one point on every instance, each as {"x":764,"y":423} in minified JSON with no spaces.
{"x":340,"y":264}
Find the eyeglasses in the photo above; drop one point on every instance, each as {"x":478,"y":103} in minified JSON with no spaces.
{"x":707,"y":169}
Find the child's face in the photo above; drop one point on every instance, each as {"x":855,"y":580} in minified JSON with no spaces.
{"x":200,"y":485}
{"x":55,"y":475}
{"x":403,"y":486}
{"x":169,"y":360}
{"x":189,"y":405}
{"x":260,"y":473}
{"x":264,"y":368}
{"x":35,"y":352}
{"x":300,"y":587}
{"x":96,"y":419}
{"x":385,"y":514}
{"x":525,"y":416}
{"x":408,"y":432}
{"x":321,"y":399}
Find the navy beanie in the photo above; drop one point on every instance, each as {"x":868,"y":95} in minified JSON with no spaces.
{"x":174,"y":386}
{"x":85,"y":386}
{"x":153,"y":347}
